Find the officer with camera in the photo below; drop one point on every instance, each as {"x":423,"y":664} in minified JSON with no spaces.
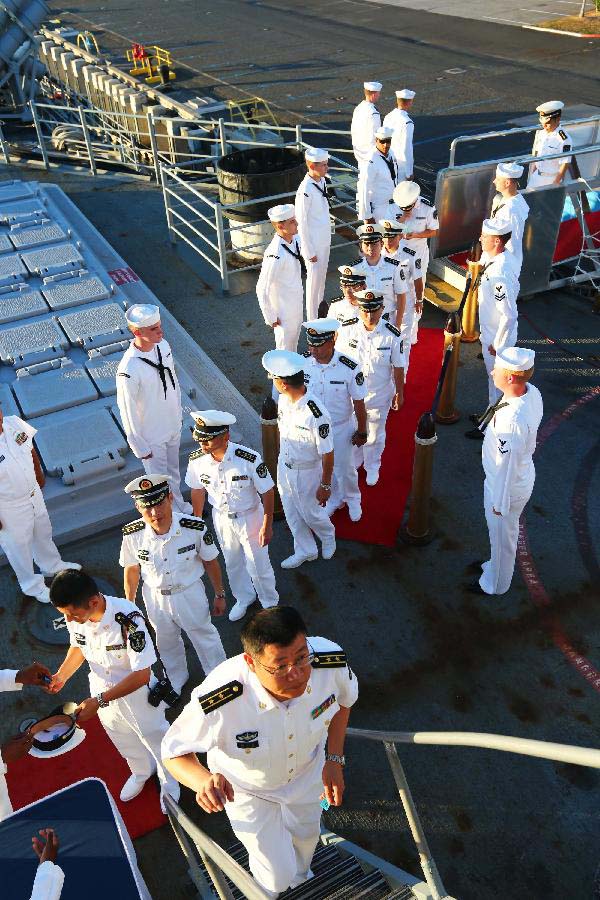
{"x":171,"y":554}
{"x":111,"y":635}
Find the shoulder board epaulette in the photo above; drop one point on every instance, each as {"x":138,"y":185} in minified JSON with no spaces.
{"x":272,"y":256}
{"x":349,"y":322}
{"x":221,"y":696}
{"x":427,"y":202}
{"x":245,"y":454}
{"x":196,"y":454}
{"x":314,"y":409}
{"x":305,"y":194}
{"x":335,"y":300}
{"x":198,"y":524}
{"x":393,"y":329}
{"x":563,"y":134}
{"x":131,"y":527}
{"x":330,"y":660}
{"x":348,"y":362}
{"x":394,"y":262}
{"x":410,"y":251}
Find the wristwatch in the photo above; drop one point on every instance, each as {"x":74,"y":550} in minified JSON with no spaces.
{"x":102,"y":703}
{"x":333,"y":757}
{"x":220,"y":596}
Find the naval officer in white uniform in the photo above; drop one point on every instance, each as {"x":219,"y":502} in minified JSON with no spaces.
{"x":383,"y":275}
{"x":510,"y":428}
{"x":551,"y":139}
{"x":510,"y":208}
{"x":314,"y":226}
{"x":305,"y":465}
{"x":171,"y":553}
{"x":377,"y":180}
{"x":111,"y":635}
{"x":149,"y":397}
{"x":272,"y":722}
{"x":337,"y":382}
{"x":366,"y":119}
{"x":402,"y":125}
{"x":25,"y":528}
{"x":279,"y":286}
{"x":242,"y":494}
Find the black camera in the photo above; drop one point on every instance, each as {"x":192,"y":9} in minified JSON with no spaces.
{"x":162,"y":690}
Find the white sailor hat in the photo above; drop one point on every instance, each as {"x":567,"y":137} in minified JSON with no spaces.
{"x":390,"y":228}
{"x":515,"y":359}
{"x":509,"y":170}
{"x":406,"y":194}
{"x":405,"y":94}
{"x":148,"y":490}
{"x":372,"y":85}
{"x":283,"y":363}
{"x":319,"y":331}
{"x":142,"y":315}
{"x":550,"y":108}
{"x":316,"y":155}
{"x":384,"y":134}
{"x":210,"y":423}
{"x":281,"y":213}
{"x":369,"y":300}
{"x":354,"y":274}
{"x":56,"y":733}
{"x":491,"y":226}
{"x":370,"y":233}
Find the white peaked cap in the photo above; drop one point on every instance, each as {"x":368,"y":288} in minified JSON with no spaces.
{"x":509,"y":170}
{"x":322,"y":326}
{"x":550,"y":108}
{"x":283,"y":363}
{"x":406,"y":193}
{"x":142,"y":315}
{"x":281,"y":213}
{"x":516,"y":359}
{"x":315,"y":154}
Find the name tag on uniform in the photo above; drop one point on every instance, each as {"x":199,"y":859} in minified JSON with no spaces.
{"x":185,"y":549}
{"x":320,"y":709}
{"x":143,"y":555}
{"x":337,"y":382}
{"x":247,"y":739}
{"x":387,"y":278}
{"x":302,"y":428}
{"x":239,"y":478}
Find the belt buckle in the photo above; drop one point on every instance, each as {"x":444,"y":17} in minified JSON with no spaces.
{"x":166,"y":592}
{"x":232,"y":515}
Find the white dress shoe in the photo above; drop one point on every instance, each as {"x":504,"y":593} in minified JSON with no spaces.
{"x":355,"y":511}
{"x":372,"y":476}
{"x":238,"y":611}
{"x":132,"y":787}
{"x":295,"y":560}
{"x":327,"y":550}
{"x":43,"y":596}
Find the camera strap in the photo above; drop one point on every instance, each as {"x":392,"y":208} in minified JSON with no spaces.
{"x":129,"y":628}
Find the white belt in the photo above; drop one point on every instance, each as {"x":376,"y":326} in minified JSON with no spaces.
{"x":301,"y":465}
{"x":176,"y":589}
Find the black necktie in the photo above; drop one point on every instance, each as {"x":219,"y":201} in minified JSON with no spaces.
{"x":296,"y":253}
{"x":323,"y":191}
{"x":490,"y":413}
{"x":161,"y":370}
{"x":391,"y":167}
{"x":497,"y":208}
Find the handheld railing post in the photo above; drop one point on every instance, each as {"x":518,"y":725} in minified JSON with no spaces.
{"x":222,"y":140}
{"x":222,"y":247}
{"x":167,"y":202}
{"x":153,"y":144}
{"x":430,"y":872}
{"x":299,"y":136}
{"x":88,"y":143}
{"x":447,"y":414}
{"x":270,"y":447}
{"x":40,"y":136}
{"x":4,"y":146}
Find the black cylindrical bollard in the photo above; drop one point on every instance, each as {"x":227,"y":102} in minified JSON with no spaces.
{"x":447,"y":413}
{"x":417,"y":531}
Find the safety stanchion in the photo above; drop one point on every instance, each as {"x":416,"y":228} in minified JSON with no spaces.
{"x":469,"y":301}
{"x":417,"y":530}
{"x":270,"y":447}
{"x":447,"y":414}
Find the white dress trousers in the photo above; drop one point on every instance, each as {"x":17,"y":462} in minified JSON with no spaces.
{"x":26,"y":537}
{"x":504,"y":533}
{"x":304,"y":515}
{"x":165,"y":458}
{"x":249,"y":568}
{"x":314,"y":228}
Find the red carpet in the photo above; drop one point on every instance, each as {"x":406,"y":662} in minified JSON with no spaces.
{"x":31,"y":779}
{"x":383,"y":505}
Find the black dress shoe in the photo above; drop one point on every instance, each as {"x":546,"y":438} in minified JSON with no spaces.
{"x":474,"y":434}
{"x":476,"y":565}
{"x":475,"y":418}
{"x":474,"y":588}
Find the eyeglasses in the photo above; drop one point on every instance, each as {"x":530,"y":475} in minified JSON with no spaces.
{"x":303,"y":662}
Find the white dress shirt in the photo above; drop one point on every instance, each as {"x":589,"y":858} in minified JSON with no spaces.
{"x":304,"y":430}
{"x":279,"y":285}
{"x":378,"y":352}
{"x":498,"y":292}
{"x":17,"y":473}
{"x":546,"y":142}
{"x":336,"y":385}
{"x":312,"y":215}
{"x":366,"y":119}
{"x":234,"y":484}
{"x":402,"y":140}
{"x":512,"y":212}
{"x":376,"y":185}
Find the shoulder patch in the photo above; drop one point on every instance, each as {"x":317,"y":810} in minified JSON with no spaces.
{"x":261,"y":470}
{"x":195,"y":454}
{"x":245,"y":454}
{"x":394,"y":262}
{"x":208,"y":538}
{"x":131,"y":527}
{"x":314,"y":409}
{"x":221,"y":696}
{"x":393,"y":329}
{"x":563,"y":134}
{"x":197,"y":524}
{"x":348,"y":362}
{"x":330,"y":660}
{"x":426,"y":202}
{"x":349,"y":322}
{"x":324,"y":430}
